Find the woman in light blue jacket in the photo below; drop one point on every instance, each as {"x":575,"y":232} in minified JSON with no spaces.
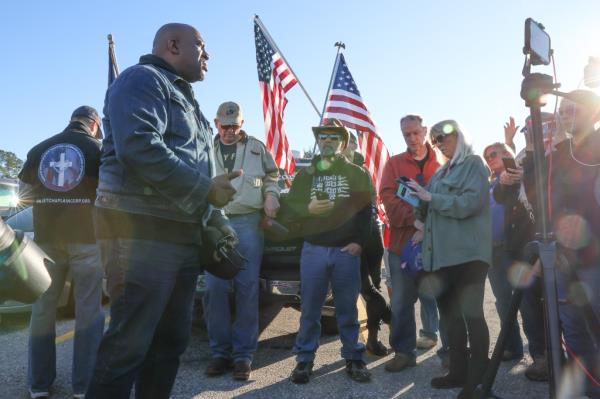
{"x":454,"y":224}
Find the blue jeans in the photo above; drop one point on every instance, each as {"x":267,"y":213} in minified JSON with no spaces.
{"x":319,"y":267}
{"x":236,"y":339}
{"x":405,"y":292}
{"x":574,"y":326}
{"x":151,"y":285}
{"x":83,"y":262}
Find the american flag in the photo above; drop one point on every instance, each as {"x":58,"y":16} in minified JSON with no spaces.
{"x":113,"y":68}
{"x":274,"y":79}
{"x":345,"y":104}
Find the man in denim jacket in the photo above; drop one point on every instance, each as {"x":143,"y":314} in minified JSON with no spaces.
{"x":154,"y":193}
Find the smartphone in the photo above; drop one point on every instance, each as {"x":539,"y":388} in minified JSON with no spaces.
{"x":321,"y":195}
{"x":404,"y":192}
{"x":509,"y":163}
{"x":537,"y":43}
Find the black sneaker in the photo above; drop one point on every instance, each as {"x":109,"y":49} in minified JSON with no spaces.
{"x":357,"y":371}
{"x":217,"y":366}
{"x":302,"y":372}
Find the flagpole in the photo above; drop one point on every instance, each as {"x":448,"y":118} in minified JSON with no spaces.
{"x":272,"y":42}
{"x":339,"y":46}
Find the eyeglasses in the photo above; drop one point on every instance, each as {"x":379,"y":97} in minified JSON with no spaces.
{"x":492,"y":155}
{"x":333,"y":137}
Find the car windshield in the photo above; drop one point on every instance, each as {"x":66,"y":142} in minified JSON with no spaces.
{"x":8,"y":196}
{"x":22,"y":220}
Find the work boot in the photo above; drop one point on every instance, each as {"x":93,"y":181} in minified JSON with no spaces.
{"x":302,"y":372}
{"x":424,"y":342}
{"x":538,"y":370}
{"x":508,"y":356}
{"x":241,"y":370}
{"x":217,"y":366}
{"x":375,"y":346}
{"x":357,"y":370}
{"x":399,"y":362}
{"x":448,"y":381}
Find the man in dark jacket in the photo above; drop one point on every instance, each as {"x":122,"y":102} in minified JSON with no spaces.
{"x":575,"y":216}
{"x":60,"y":176}
{"x":378,"y":309}
{"x":334,"y":198}
{"x":155,"y":193}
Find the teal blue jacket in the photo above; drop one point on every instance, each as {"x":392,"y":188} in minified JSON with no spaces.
{"x":458,"y":225}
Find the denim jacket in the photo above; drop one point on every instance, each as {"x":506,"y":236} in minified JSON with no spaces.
{"x":157,"y":156}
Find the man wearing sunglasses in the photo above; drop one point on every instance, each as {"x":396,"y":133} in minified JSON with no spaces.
{"x":575,"y":194}
{"x":256,"y":191}
{"x":418,"y":162}
{"x":333,"y":197}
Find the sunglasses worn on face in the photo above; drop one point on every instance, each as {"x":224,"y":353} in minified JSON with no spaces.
{"x":491,"y":155}
{"x":333,"y":137}
{"x":229,"y":127}
{"x":439,"y":139}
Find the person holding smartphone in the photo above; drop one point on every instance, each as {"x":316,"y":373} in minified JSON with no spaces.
{"x":333,"y":197}
{"x":419,"y":161}
{"x":456,"y":239}
{"x":512,"y":229}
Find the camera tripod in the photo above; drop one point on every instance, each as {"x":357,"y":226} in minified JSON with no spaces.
{"x":533,"y":88}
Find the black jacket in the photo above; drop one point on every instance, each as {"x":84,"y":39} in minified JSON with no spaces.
{"x":349,"y":187}
{"x":63,"y":174}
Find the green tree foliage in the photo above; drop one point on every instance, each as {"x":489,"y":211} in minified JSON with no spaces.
{"x":10,"y":165}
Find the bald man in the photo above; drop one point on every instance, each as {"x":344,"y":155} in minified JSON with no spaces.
{"x":155,"y":191}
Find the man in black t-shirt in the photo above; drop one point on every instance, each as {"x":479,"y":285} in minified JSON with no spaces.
{"x":61,"y":176}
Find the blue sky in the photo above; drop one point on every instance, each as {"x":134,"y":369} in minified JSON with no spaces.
{"x":441,"y":59}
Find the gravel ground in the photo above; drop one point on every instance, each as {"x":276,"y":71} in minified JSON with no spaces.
{"x":272,"y":366}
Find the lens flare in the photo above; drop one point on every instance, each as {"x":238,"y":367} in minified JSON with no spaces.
{"x":448,"y":128}
{"x":521,"y":275}
{"x":573,"y":231}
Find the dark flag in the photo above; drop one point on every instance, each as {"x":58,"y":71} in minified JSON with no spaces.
{"x":113,"y":68}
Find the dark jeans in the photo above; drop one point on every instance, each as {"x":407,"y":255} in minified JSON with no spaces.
{"x":151,"y":285}
{"x":460,"y":303}
{"x":378,"y":309}
{"x":531,"y":305}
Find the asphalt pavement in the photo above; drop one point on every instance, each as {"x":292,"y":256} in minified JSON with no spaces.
{"x":272,"y":366}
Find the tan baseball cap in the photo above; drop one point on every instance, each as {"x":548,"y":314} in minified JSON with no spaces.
{"x":230,"y":113}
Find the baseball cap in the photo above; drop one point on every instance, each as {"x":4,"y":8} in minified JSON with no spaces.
{"x":88,"y":112}
{"x":230,"y":113}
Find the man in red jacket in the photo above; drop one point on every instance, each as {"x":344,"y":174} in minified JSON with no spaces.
{"x":418,"y":162}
